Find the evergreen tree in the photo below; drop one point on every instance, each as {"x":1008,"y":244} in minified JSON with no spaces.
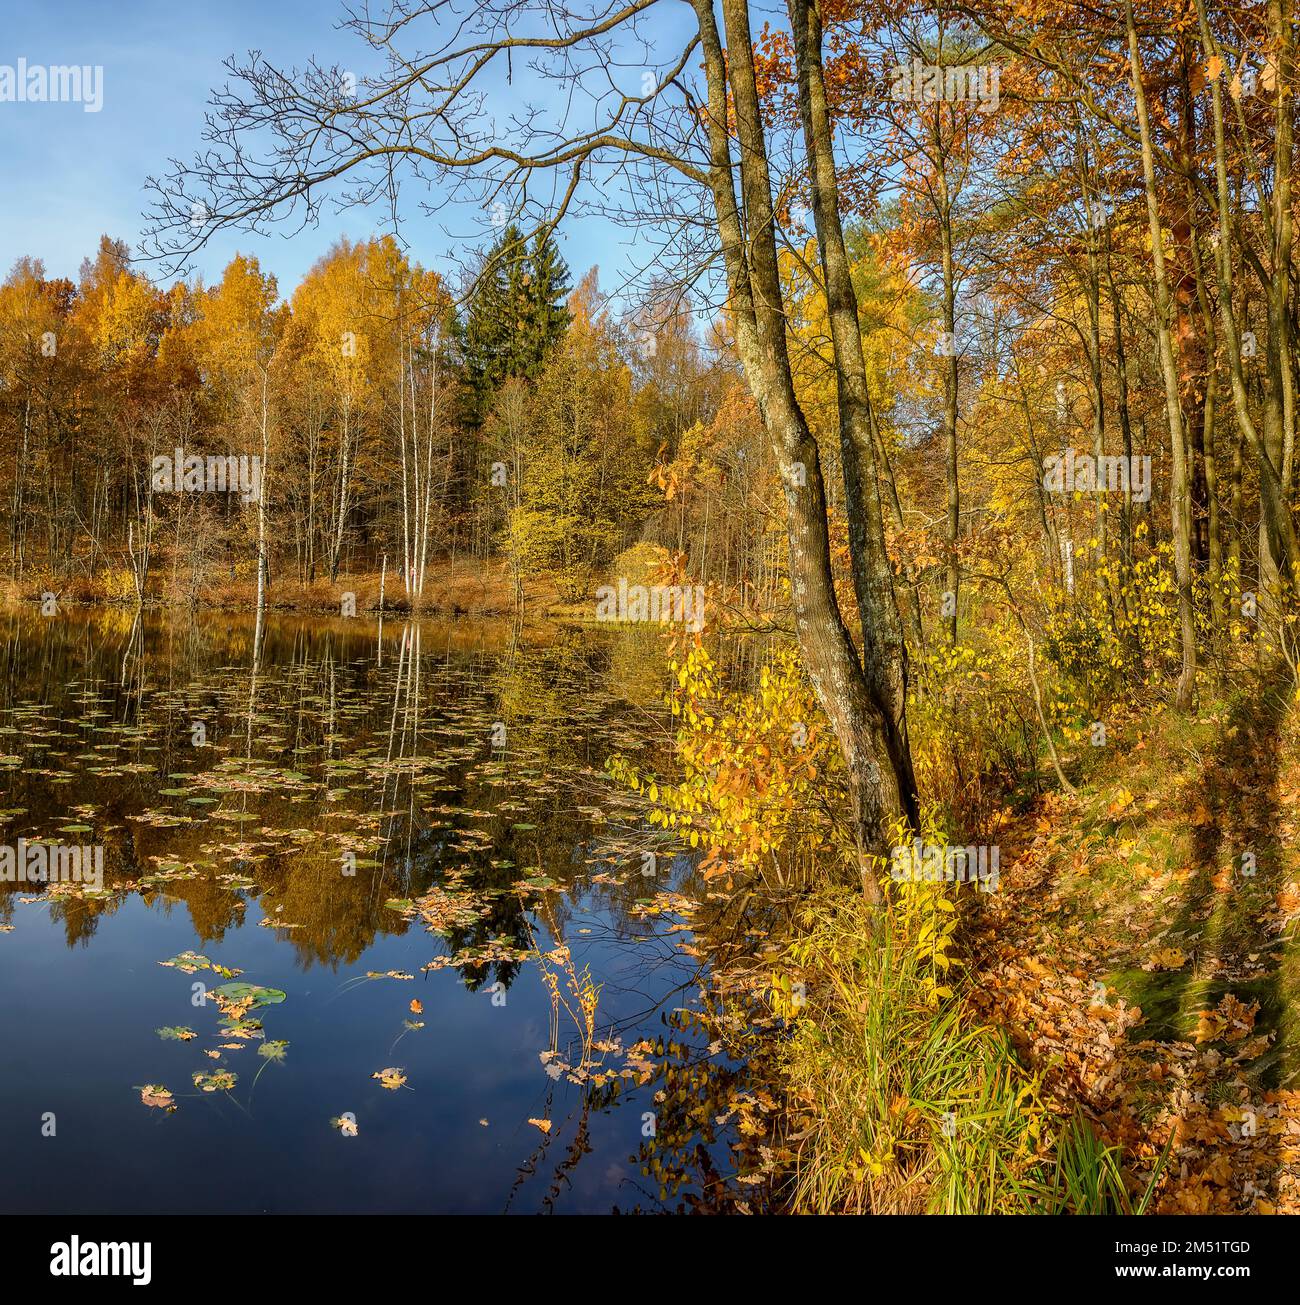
{"x":516,"y":315}
{"x":496,"y":312}
{"x":548,"y":291}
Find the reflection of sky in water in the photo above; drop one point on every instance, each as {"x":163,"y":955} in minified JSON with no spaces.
{"x":83,"y":993}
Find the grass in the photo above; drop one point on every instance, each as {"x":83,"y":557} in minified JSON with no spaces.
{"x":904,"y":1103}
{"x":468,"y":588}
{"x":1089,"y":1177}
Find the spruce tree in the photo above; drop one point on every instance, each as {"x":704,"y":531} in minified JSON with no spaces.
{"x":497,"y":312}
{"x":547,"y":294}
{"x":516,"y":315}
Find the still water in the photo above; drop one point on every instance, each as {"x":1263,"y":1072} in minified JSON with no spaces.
{"x":406,"y":841}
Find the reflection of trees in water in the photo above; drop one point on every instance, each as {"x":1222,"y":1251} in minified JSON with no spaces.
{"x":593,"y":1100}
{"x":503,"y":921}
{"x":395,"y":731}
{"x":213,"y":909}
{"x":305,"y":694}
{"x":80,"y":918}
{"x":689,"y":1165}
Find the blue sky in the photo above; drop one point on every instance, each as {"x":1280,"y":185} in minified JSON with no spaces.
{"x":69,"y":176}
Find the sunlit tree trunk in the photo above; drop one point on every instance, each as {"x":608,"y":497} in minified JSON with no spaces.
{"x":879,"y":791}
{"x":1179,"y":491}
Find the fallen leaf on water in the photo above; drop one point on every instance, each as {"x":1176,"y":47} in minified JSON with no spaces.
{"x":187,"y":962}
{"x":417,"y":1006}
{"x":235,"y":1000}
{"x":222,"y":1081}
{"x":176,"y":1033}
{"x":543,"y":1124}
{"x":154,"y":1094}
{"x":391,"y":1078}
{"x":346,"y":1126}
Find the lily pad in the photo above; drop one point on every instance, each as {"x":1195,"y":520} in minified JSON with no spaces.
{"x":176,"y":1033}
{"x":188,"y":962}
{"x":251,"y":995}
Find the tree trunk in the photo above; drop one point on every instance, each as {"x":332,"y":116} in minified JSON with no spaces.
{"x":754,"y":285}
{"x":1179,"y":493}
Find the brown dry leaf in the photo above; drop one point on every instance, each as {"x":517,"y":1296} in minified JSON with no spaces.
{"x":543,"y":1124}
{"x":417,"y":1006}
{"x":233,"y":1010}
{"x":1166,"y":958}
{"x":154,"y":1094}
{"x":1257,"y":1046}
{"x":1238,"y":1016}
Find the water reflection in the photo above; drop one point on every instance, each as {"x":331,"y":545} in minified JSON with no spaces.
{"x":314,"y":803}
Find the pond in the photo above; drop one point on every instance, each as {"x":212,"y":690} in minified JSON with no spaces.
{"x":357,"y":884}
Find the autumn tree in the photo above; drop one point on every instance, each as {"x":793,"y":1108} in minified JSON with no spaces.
{"x":700,"y":143}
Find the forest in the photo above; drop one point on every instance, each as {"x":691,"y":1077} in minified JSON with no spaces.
{"x":940,"y":454}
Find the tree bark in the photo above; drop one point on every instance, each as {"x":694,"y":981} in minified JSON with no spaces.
{"x":1179,"y":494}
